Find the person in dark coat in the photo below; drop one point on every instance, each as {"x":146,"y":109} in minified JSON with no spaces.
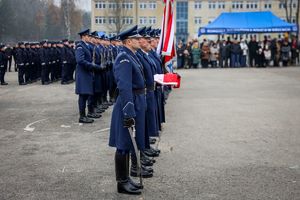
{"x":28,"y":58}
{"x":85,"y":68}
{"x":159,"y":92}
{"x":9,"y":55}
{"x":151,"y":112}
{"x":70,"y":62}
{"x":253,"y":49}
{"x":91,"y":100}
{"x":44,"y":62}
{"x":14,"y":55}
{"x":285,"y":53}
{"x":129,"y":109}
{"x":180,"y":55}
{"x":223,"y":54}
{"x":98,"y":83}
{"x":3,"y":62}
{"x":20,"y":59}
{"x":235,"y":54}
{"x":64,"y":61}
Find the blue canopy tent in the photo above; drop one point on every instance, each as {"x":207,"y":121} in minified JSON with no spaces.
{"x":247,"y":22}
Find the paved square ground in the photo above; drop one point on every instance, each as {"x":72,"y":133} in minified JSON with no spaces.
{"x":231,"y":134}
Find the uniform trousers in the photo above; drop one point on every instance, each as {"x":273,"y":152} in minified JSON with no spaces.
{"x":83,"y":100}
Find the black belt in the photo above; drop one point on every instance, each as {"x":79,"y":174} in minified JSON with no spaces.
{"x":140,"y":91}
{"x":150,"y":88}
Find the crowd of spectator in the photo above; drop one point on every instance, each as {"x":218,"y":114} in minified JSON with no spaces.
{"x":270,"y":52}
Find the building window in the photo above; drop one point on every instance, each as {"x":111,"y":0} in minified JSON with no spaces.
{"x":268,"y":6}
{"x":294,"y":5}
{"x":212,"y":5}
{"x":100,"y":5}
{"x":252,"y":5}
{"x":127,"y":5}
{"x":182,"y":9}
{"x":152,"y":5}
{"x":100,"y":20}
{"x":198,"y":5}
{"x":237,"y":5}
{"x":127,"y":20}
{"x":281,"y":5}
{"x":143,"y":20}
{"x":112,"y":5}
{"x":198,"y":20}
{"x":143,"y":5}
{"x":112,"y":20}
{"x":152,"y":20}
{"x":221,"y":5}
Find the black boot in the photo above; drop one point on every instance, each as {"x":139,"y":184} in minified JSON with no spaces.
{"x":99,"y":110}
{"x":151,"y":153}
{"x":155,"y":150}
{"x":136,"y":185}
{"x":152,"y":141}
{"x":123,"y":184}
{"x":146,"y":173}
{"x":146,"y":162}
{"x":92,"y":114}
{"x":145,"y":158}
{"x":84,"y":119}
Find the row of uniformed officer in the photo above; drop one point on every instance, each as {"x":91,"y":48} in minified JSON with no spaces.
{"x":138,"y":104}
{"x":95,"y":56}
{"x":48,"y":61}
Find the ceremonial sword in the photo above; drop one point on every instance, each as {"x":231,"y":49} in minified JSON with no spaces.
{"x":132,"y":133}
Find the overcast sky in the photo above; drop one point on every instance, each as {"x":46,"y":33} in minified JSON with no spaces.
{"x":83,"y":4}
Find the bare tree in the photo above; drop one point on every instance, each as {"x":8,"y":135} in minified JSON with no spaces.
{"x":67,"y":7}
{"x":119,"y":14}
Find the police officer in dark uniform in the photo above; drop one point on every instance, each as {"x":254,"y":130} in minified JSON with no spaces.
{"x":72,"y":61}
{"x":98,"y":82}
{"x":152,"y":129}
{"x":159,"y":70}
{"x":44,"y":62}
{"x":20,"y":59}
{"x":3,"y":61}
{"x":91,"y":100}
{"x":34,"y":62}
{"x":27,"y":59}
{"x":64,"y":61}
{"x":14,"y":53}
{"x":85,"y":74}
{"x":129,"y":109}
{"x":9,"y":54}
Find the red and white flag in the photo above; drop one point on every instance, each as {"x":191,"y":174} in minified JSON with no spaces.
{"x":166,"y":46}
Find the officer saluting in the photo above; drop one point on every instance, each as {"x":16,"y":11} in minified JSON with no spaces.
{"x":129,"y":109}
{"x":84,"y":74}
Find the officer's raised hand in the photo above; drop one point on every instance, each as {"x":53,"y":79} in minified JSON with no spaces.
{"x":128,"y":122}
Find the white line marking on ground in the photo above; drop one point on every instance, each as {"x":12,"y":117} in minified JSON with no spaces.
{"x":31,"y":129}
{"x":65,"y":126}
{"x":102,"y":130}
